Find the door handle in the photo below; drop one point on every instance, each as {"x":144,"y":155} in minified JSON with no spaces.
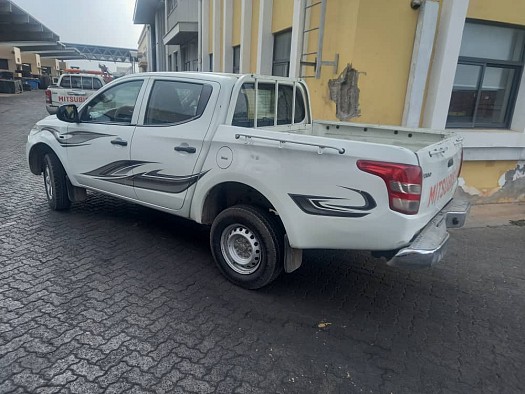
{"x":185,"y":148}
{"x":120,"y":142}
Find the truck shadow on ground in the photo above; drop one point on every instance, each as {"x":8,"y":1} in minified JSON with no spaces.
{"x":333,"y":281}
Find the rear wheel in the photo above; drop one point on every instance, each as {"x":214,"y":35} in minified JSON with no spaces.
{"x":55,"y":183}
{"x":247,"y":245}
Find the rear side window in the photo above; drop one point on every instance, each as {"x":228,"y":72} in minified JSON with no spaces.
{"x":268,"y":113}
{"x":172,"y":102}
{"x":284,"y":105}
{"x":87,"y":83}
{"x":76,"y":82}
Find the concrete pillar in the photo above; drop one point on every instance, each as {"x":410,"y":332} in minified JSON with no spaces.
{"x":265,"y":42}
{"x":204,"y":35}
{"x":297,"y":38}
{"x":443,"y":71}
{"x":246,"y":36}
{"x":227,"y":26}
{"x":421,"y":54}
{"x":216,"y":40}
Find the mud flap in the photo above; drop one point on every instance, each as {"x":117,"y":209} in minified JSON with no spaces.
{"x":293,"y":258}
{"x":75,"y":194}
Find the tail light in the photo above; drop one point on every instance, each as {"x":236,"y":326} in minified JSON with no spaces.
{"x":48,"y":96}
{"x":403,"y":182}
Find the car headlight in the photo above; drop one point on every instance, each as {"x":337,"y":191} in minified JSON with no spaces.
{"x":34,"y":130}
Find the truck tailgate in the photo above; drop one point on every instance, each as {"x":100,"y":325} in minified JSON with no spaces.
{"x":441,"y":163}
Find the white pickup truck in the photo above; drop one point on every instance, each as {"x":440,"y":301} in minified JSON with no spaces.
{"x":241,"y":153}
{"x":71,"y":88}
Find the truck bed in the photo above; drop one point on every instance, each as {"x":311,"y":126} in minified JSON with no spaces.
{"x":412,"y":139}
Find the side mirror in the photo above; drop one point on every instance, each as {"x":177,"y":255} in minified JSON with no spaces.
{"x":68,"y":113}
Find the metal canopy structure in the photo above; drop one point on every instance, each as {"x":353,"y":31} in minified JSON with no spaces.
{"x":104,"y":53}
{"x":16,"y":25}
{"x":19,"y":29}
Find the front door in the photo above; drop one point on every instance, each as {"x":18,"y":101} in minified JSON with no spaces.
{"x":99,"y":146}
{"x":168,"y":142}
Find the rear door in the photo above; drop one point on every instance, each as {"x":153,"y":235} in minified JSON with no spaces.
{"x":441,"y":163}
{"x":170,"y":139}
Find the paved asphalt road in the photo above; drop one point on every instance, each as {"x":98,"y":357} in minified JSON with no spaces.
{"x":115,"y":297}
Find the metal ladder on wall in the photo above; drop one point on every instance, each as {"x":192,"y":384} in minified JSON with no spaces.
{"x":318,"y":63}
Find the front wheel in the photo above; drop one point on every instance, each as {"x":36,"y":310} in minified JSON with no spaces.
{"x":247,"y":245}
{"x":55,"y":183}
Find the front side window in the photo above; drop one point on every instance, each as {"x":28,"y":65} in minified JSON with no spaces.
{"x":96,"y":84}
{"x":174,"y":102}
{"x":489,"y":69}
{"x":114,"y":105}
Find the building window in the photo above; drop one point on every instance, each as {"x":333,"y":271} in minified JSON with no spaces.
{"x":236,"y":59}
{"x":4,"y":65}
{"x":489,"y":69}
{"x":211,"y":61}
{"x":282,"y":44}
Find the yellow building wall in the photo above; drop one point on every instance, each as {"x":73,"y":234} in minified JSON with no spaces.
{"x":282,"y":15}
{"x":506,"y":11}
{"x":485,"y":175}
{"x":376,"y":37}
{"x":339,"y":37}
{"x":493,"y":181}
{"x":254,"y":38}
{"x":236,"y":28}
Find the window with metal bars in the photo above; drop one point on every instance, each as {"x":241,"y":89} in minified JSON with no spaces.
{"x":487,"y":77}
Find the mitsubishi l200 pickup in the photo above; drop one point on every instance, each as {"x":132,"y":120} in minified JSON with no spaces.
{"x":242,"y":154}
{"x":71,"y":88}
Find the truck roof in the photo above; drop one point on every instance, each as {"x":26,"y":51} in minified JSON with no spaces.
{"x":81,"y":75}
{"x":210,"y":76}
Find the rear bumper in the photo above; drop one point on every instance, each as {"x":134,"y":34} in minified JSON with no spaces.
{"x":430,"y":245}
{"x":51,"y":109}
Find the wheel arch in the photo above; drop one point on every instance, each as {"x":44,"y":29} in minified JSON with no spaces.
{"x":36,"y":157}
{"x":229,"y":193}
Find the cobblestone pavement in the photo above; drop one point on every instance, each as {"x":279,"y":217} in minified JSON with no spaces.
{"x":115,"y":297}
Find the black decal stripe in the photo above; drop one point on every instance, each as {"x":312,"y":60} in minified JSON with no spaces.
{"x":79,"y":137}
{"x":370,"y":203}
{"x":118,"y":172}
{"x":74,"y":138}
{"x":116,"y":168}
{"x":328,"y":206}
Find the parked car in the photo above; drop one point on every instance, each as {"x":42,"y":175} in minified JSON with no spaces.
{"x":242,"y":153}
{"x":71,"y":88}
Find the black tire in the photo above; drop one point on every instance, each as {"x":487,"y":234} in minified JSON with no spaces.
{"x":55,"y":183}
{"x":253,"y":232}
